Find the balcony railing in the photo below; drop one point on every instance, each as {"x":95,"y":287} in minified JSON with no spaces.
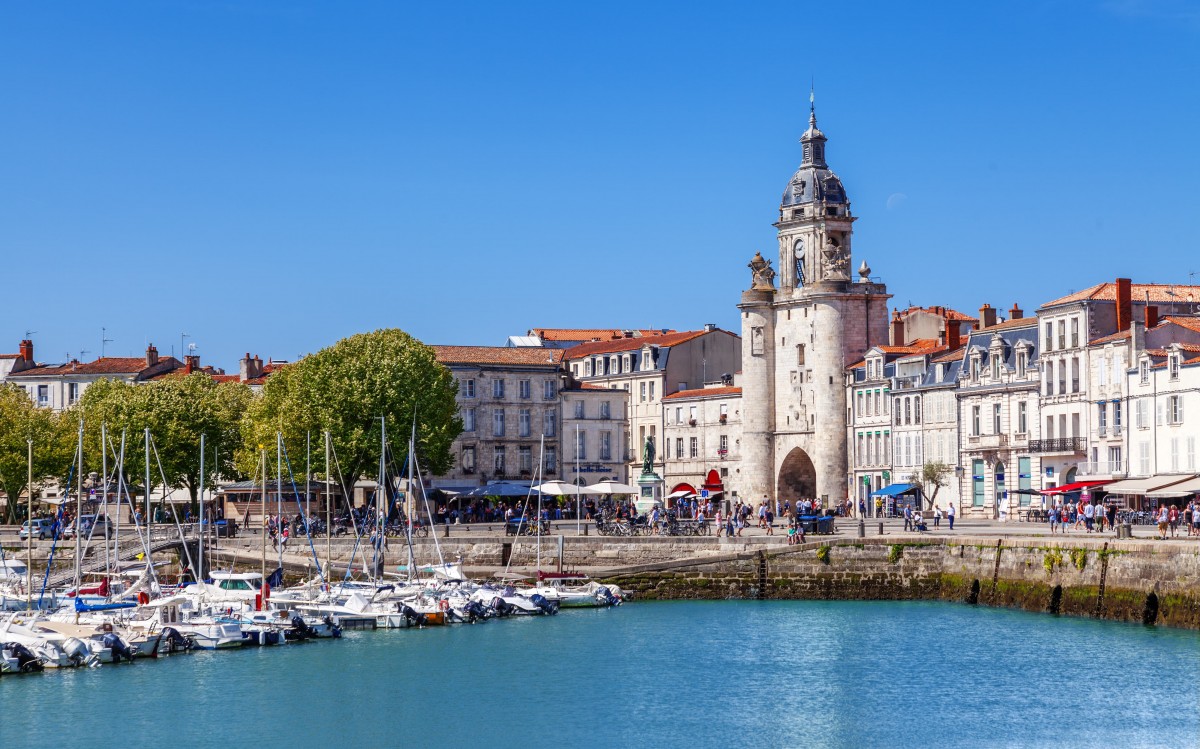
{"x":1057,"y":445}
{"x":987,"y":441}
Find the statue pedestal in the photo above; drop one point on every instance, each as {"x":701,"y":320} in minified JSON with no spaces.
{"x":651,"y":485}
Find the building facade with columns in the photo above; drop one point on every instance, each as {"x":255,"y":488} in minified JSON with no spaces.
{"x":799,"y":338}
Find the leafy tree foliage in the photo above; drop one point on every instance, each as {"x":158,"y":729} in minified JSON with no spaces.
{"x":345,"y":389}
{"x":177,"y":411}
{"x":935,"y":474}
{"x":53,"y":446}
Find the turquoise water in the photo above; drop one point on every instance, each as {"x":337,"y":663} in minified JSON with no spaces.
{"x":685,"y":674}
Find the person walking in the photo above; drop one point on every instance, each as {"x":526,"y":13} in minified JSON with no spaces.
{"x":1164,"y":518}
{"x":908,"y":523}
{"x":950,"y":515}
{"x":937,"y":516}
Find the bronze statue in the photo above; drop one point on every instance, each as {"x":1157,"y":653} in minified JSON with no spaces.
{"x":648,"y":457}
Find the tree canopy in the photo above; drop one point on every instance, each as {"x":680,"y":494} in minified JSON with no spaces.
{"x":53,"y":445}
{"x":177,"y":410}
{"x":345,"y":389}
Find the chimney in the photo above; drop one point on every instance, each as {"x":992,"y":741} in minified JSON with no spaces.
{"x":710,"y":327}
{"x":151,"y":355}
{"x":953,"y":334}
{"x":1151,"y":316}
{"x":987,"y":316}
{"x":1137,"y":339}
{"x":1016,"y":313}
{"x":191,"y":363}
{"x":897,"y":329}
{"x":27,"y":351}
{"x":250,"y":368}
{"x":1124,"y":303}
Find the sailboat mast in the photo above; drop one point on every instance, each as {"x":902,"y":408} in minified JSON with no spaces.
{"x":148,"y":523}
{"x":200,"y":556}
{"x":104,"y":501}
{"x":578,"y":503}
{"x":538,"y":526}
{"x":328,"y":510}
{"x":307,"y":487}
{"x":279,"y":494}
{"x":29,"y":534}
{"x":263,"y":499}
{"x":78,"y":506}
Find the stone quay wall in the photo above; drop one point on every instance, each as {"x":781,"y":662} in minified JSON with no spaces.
{"x":1134,"y":582}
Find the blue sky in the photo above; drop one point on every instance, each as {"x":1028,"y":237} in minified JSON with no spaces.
{"x":272,"y":176}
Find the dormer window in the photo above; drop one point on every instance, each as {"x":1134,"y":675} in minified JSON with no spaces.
{"x":1144,"y":372}
{"x":941,"y":372}
{"x":995,"y":357}
{"x":976,"y":365}
{"x":1022,"y":363}
{"x":1173,"y":366}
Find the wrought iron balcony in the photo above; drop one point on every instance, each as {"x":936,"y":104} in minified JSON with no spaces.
{"x":1057,"y":445}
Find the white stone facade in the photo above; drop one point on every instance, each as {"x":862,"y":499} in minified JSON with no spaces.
{"x":594,"y":431}
{"x":702,"y":434}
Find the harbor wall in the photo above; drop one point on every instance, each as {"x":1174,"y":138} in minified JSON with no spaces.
{"x":1133,"y":582}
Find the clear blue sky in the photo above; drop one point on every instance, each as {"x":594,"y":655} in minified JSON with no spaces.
{"x":272,"y":176}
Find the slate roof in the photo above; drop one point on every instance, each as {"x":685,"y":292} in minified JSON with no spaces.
{"x":542,"y":357}
{"x":591,"y":334}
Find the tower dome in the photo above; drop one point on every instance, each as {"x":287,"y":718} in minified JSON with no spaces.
{"x":814,"y":181}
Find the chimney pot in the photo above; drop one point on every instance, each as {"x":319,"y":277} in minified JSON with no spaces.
{"x":27,"y":351}
{"x":1124,"y":303}
{"x":1016,"y":313}
{"x":987,"y":316}
{"x":151,"y":355}
{"x":1151,"y":316}
{"x":953,"y":334}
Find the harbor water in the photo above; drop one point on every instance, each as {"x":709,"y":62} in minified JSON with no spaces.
{"x":682,"y":674}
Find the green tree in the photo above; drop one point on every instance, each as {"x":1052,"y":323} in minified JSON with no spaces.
{"x":177,"y":411}
{"x":935,"y":474}
{"x":53,"y":446}
{"x":344,"y":389}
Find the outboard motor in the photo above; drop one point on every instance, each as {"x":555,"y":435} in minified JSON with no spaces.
{"x":605,"y":596}
{"x":119,"y":648}
{"x":335,"y":629}
{"x":27,"y":662}
{"x":501,"y":606}
{"x":546,"y":607}
{"x":475,"y":612}
{"x":411,"y":614}
{"x":300,"y":629}
{"x":176,"y":642}
{"x":79,"y":653}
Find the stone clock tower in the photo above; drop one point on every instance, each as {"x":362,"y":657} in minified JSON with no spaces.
{"x":797,"y":340}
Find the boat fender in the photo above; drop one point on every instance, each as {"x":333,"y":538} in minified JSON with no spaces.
{"x":143,"y":597}
{"x":443,"y":605}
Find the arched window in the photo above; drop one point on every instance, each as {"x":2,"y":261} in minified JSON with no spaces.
{"x":917,"y":410}
{"x":907,"y":410}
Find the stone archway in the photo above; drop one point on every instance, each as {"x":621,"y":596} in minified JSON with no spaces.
{"x":797,"y":477}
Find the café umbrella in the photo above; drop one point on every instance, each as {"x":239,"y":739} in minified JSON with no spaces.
{"x":563,"y":489}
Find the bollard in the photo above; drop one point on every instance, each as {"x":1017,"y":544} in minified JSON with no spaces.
{"x":881,"y":527}
{"x":862,"y":528}
{"x":447,"y":533}
{"x":585,"y":528}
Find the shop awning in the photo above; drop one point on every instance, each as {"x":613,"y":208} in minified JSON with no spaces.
{"x":1076,"y":486}
{"x":1182,"y":489}
{"x":893,"y":490}
{"x":1147,"y":485}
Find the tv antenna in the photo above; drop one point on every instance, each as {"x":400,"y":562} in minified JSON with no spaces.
{"x":104,"y":340}
{"x":29,"y":334}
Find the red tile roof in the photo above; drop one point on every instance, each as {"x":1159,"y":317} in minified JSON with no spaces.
{"x":943,"y":312}
{"x":1120,"y":335}
{"x":1191,"y":323}
{"x":705,"y":392}
{"x":951,"y":355}
{"x":545,"y":357}
{"x":130,"y":365}
{"x":10,"y":356}
{"x":632,"y":344}
{"x":590,"y":334}
{"x":1157,"y":292}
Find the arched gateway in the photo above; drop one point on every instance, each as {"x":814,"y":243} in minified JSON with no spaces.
{"x":797,"y":477}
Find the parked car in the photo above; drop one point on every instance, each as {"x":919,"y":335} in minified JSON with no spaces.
{"x":103,"y":528}
{"x":43,"y":528}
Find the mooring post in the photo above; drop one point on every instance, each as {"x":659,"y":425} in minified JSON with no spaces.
{"x":862,"y":528}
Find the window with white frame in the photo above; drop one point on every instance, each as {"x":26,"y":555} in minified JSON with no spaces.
{"x":976,"y":417}
{"x":606,"y":446}
{"x":1173,"y":366}
{"x":1022,"y":417}
{"x":469,"y":420}
{"x":580,"y":451}
{"x":497,"y":388}
{"x":469,"y":388}
{"x":723,"y":444}
{"x":523,"y":389}
{"x":996,"y":418}
{"x":551,"y":457}
{"x":917,"y":409}
{"x":579,"y":408}
{"x":692,"y":414}
{"x":642,"y":396}
{"x":1102,"y":417}
{"x":498,"y":460}
{"x":550,"y":423}
{"x":605,"y":410}
{"x":652,"y":391}
{"x":549,"y":390}
{"x":468,"y":459}
{"x":1074,"y":332}
{"x":694,"y":448}
{"x":679,"y":448}
{"x":43,"y":395}
{"x":498,"y":422}
{"x":1175,"y":409}
{"x":72,"y":392}
{"x":523,"y":422}
{"x":525,"y":458}
{"x":679,"y":414}
{"x":1144,"y":372}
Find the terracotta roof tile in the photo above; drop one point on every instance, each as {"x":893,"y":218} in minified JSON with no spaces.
{"x":1191,"y":323}
{"x":1157,"y":292}
{"x":105,"y":365}
{"x":632,"y":344}
{"x":1020,"y":322}
{"x":943,"y":312}
{"x":1120,"y":335}
{"x":949,"y":356}
{"x":590,"y":334}
{"x":705,"y":392}
{"x":545,"y":357}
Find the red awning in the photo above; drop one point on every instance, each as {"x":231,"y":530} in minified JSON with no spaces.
{"x":712,"y":481}
{"x":684,"y":488}
{"x":1077,"y":486}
